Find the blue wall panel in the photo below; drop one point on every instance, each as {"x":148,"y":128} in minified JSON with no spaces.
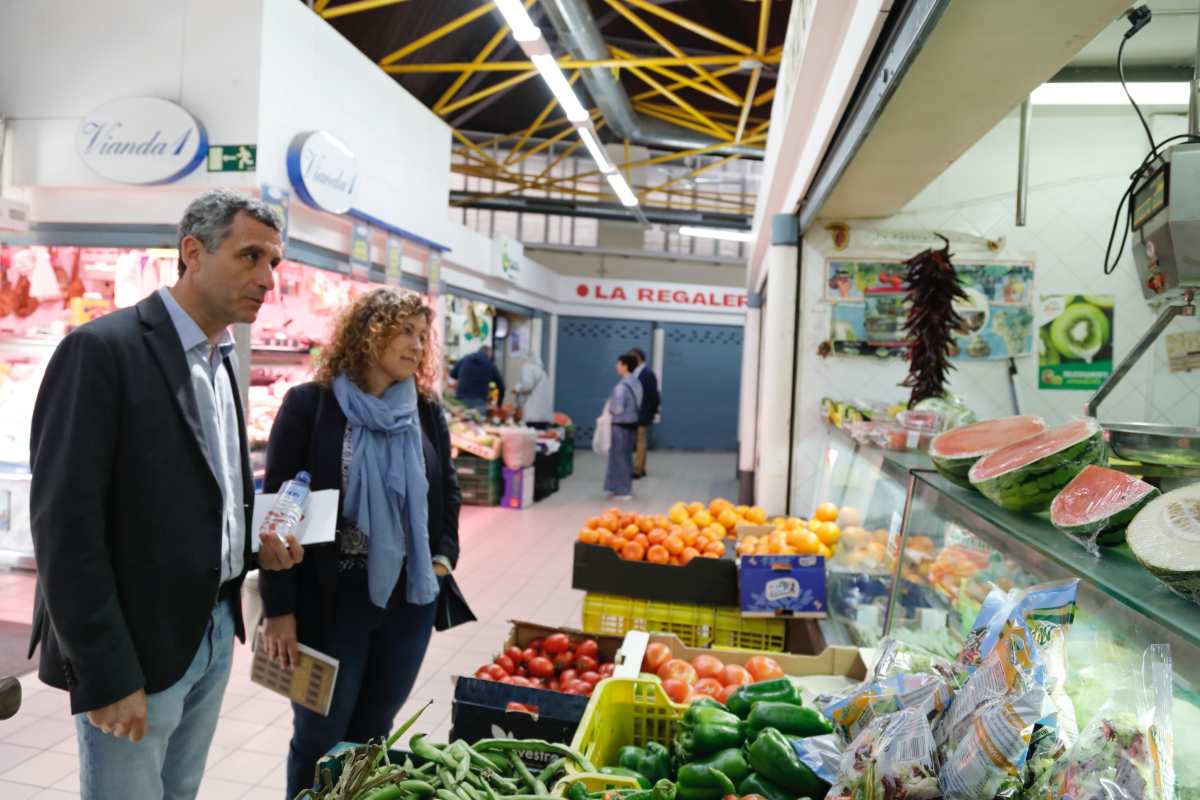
{"x":702,"y":372}
{"x":586,"y":372}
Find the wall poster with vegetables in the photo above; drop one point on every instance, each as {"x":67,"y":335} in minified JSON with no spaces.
{"x":870,"y":308}
{"x":1075,"y":341}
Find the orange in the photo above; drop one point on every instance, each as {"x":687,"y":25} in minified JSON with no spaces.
{"x":674,"y":544}
{"x":755,"y":515}
{"x":788,"y":550}
{"x":774,"y":547}
{"x":678,"y":513}
{"x":691,"y":525}
{"x":657,"y":536}
{"x":629,"y":532}
{"x":795,"y":538}
{"x":762,"y":549}
{"x":632,"y":551}
{"x":815,"y":524}
{"x":675,"y":562}
{"x":829,"y":533}
{"x":690,"y":535}
{"x":745,"y":548}
{"x":719,"y":505}
{"x":702,"y":518}
{"x":715,"y":531}
{"x":694,"y":508}
{"x":628,"y":519}
{"x":809,"y":545}
{"x":702,"y":542}
{"x":608,"y":522}
{"x":728,"y":518}
{"x":751,"y":539}
{"x":618,"y":541}
{"x":645,"y":524}
{"x":687,"y":555}
{"x":589,"y":536}
{"x":827,"y":512}
{"x":658,"y":555}
{"x":643,"y":540}
{"x":824,"y":551}
{"x":605,"y":539}
{"x":742,"y":510}
{"x":709,"y":554}
{"x":716,"y":547}
{"x":593,"y":522}
{"x":661,"y":521}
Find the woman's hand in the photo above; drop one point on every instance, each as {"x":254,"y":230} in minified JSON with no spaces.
{"x":279,"y":639}
{"x":440,"y":569}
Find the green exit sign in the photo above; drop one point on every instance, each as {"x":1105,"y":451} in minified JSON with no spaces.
{"x":232,"y":157}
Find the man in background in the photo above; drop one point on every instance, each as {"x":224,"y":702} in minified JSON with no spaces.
{"x":648,"y":411}
{"x":473,"y":373}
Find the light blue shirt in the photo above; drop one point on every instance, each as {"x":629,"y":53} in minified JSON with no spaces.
{"x":625,"y":400}
{"x":217,"y":403}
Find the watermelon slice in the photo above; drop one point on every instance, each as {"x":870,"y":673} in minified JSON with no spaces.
{"x":956,"y":451}
{"x":1027,"y":475}
{"x":1165,"y":538}
{"x":1099,"y":503}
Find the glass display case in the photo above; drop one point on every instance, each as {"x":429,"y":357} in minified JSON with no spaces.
{"x":933,"y":550}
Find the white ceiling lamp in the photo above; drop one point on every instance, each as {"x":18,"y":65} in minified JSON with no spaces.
{"x":727,"y":234}
{"x":1110,"y":94}
{"x":617,"y":181}
{"x":593,"y":147}
{"x":519,"y":22}
{"x":563,"y":93}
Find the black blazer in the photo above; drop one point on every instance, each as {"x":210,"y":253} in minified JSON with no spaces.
{"x":307,"y":435}
{"x":650,"y":397}
{"x":125,"y":511}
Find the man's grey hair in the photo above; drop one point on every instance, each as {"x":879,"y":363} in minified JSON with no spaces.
{"x":210,"y":216}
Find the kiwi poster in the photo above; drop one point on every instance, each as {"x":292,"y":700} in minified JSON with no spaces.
{"x":870,"y":308}
{"x":1075,"y":341}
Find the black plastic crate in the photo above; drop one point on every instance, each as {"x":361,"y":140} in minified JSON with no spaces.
{"x":545,"y":476}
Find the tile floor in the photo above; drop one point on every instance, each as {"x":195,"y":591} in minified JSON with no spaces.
{"x":515,"y":565}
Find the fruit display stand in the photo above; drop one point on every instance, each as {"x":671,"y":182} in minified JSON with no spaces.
{"x":703,"y":581}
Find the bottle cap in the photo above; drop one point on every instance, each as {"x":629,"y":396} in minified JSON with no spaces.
{"x":303,"y":477}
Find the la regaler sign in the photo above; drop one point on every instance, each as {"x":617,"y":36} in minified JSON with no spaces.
{"x":636,"y":293}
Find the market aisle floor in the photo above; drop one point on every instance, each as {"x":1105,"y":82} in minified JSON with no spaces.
{"x":515,"y":565}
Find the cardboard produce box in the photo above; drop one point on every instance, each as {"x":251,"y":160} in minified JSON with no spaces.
{"x":704,"y":581}
{"x":847,"y":662}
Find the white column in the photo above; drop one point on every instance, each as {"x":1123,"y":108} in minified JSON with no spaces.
{"x":748,"y":404}
{"x":535,"y":336}
{"x":658,"y":349}
{"x":777,"y":367}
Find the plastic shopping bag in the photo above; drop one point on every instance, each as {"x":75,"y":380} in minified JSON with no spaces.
{"x":602,"y":437}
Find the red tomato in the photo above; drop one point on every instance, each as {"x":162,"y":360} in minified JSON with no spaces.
{"x":657,"y":654}
{"x":726,"y":692}
{"x":536,"y":644}
{"x":565,"y":660}
{"x":678,"y":669}
{"x":556,"y":643}
{"x":521,"y":707}
{"x":553,"y":685}
{"x":484,"y":674}
{"x":678,"y":691}
{"x":606,"y":670}
{"x":541,"y":667}
{"x":735,"y":675}
{"x":517,"y":680}
{"x":497,"y":672}
{"x":585,"y":663}
{"x":515,"y":653}
{"x":575,"y":687}
{"x":588,"y":647}
{"x":529,"y":654}
{"x":522,"y":671}
{"x":707,"y":666}
{"x":567,"y":676}
{"x":764,"y":668}
{"x":590,"y":677}
{"x":709,"y":686}
{"x":506,"y":663}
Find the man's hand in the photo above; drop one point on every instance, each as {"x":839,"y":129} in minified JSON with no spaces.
{"x":440,"y":570}
{"x":275,"y":555}
{"x":279,"y":639}
{"x":124,"y":719}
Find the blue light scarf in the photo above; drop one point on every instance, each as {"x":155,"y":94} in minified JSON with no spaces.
{"x":386,"y":488}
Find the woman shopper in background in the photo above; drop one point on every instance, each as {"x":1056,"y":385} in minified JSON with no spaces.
{"x":623,"y":404}
{"x":370,"y":427}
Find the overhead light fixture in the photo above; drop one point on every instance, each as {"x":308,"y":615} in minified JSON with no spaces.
{"x":617,"y":181}
{"x":1109,"y":94}
{"x":563,"y":93}
{"x":519,"y":22}
{"x":728,"y":234}
{"x":593,"y":147}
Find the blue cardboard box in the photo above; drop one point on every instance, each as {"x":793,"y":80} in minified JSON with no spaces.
{"x":782,"y":586}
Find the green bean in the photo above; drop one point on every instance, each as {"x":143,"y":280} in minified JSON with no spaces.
{"x":553,"y":768}
{"x":536,"y":746}
{"x":535,"y":785}
{"x":445,"y":794}
{"x":507,"y":784}
{"x":423,"y":749}
{"x":463,"y":768}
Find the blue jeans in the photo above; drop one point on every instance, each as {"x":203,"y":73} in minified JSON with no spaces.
{"x":169,"y":762}
{"x":379,"y":655}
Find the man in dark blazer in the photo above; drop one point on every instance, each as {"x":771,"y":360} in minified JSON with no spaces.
{"x":141,"y":510}
{"x":646,"y":412}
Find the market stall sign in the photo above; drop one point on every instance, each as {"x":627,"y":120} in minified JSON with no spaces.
{"x":141,"y":140}
{"x":693,"y":297}
{"x":507,"y":255}
{"x":323,"y":171}
{"x":232,"y":158}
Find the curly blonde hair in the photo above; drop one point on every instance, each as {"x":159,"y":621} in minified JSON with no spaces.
{"x":367,"y":327}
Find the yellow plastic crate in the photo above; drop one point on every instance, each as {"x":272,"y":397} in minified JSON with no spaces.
{"x":621,"y":711}
{"x":696,"y":626}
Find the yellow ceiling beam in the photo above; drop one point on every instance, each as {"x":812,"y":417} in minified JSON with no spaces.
{"x":764,"y":98}
{"x":694,"y":27}
{"x":680,"y":80}
{"x":482,"y":56}
{"x":475,"y":97}
{"x":764,"y":22}
{"x":474,"y":148}
{"x":353,"y":8}
{"x":681,"y":121}
{"x":319,"y":6}
{"x":433,"y":36}
{"x":717,"y":115}
{"x":567,"y":63}
{"x":537,"y":122}
{"x":720,"y":73}
{"x":679,"y":101}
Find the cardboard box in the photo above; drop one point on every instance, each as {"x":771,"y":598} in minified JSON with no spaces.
{"x":704,"y":581}
{"x":518,"y":487}
{"x":844,"y":661}
{"x":787,"y":586}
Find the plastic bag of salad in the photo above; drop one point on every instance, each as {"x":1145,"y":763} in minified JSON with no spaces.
{"x":893,"y":758}
{"x":850,"y":712}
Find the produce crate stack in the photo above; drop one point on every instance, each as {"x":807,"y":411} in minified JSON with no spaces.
{"x":479,"y":479}
{"x":566,"y":453}
{"x":545,"y":479}
{"x":695,"y":625}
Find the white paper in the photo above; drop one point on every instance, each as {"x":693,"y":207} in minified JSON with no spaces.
{"x":320,"y":517}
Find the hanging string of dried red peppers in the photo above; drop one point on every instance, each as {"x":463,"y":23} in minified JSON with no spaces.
{"x":932,"y":321}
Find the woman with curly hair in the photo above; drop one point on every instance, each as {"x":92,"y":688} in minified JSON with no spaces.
{"x":369,"y":426}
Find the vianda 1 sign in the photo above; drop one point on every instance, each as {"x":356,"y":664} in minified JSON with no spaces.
{"x":142,"y":140}
{"x":323,"y":171}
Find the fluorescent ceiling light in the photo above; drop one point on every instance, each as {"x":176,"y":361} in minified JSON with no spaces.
{"x":563,"y":93}
{"x":617,"y":181}
{"x":593,"y":147}
{"x":522,"y":27}
{"x":1110,"y":94}
{"x":727,"y":234}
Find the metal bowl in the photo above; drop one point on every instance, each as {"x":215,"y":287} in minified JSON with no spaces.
{"x":1166,"y":445}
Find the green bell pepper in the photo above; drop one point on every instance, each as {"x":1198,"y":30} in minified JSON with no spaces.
{"x":698,"y":707}
{"x":779,"y":690}
{"x":705,"y":730}
{"x":732,"y":762}
{"x":700,"y":782}
{"x":789,"y":719}
{"x":652,"y":762}
{"x":630,"y":756}
{"x":577,"y":791}
{"x":774,"y":758}
{"x":757,"y":784}
{"x":641,"y":779}
{"x":663,"y":790}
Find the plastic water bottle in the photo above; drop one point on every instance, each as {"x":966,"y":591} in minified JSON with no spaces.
{"x":284,"y":517}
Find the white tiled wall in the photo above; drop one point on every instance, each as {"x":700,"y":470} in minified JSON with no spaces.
{"x":1080,"y":165}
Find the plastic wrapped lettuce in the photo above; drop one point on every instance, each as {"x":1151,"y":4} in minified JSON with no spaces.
{"x":892,"y":758}
{"x":853,"y":710}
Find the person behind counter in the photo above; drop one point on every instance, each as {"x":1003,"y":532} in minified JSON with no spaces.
{"x":472,"y":374}
{"x":371,"y":427}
